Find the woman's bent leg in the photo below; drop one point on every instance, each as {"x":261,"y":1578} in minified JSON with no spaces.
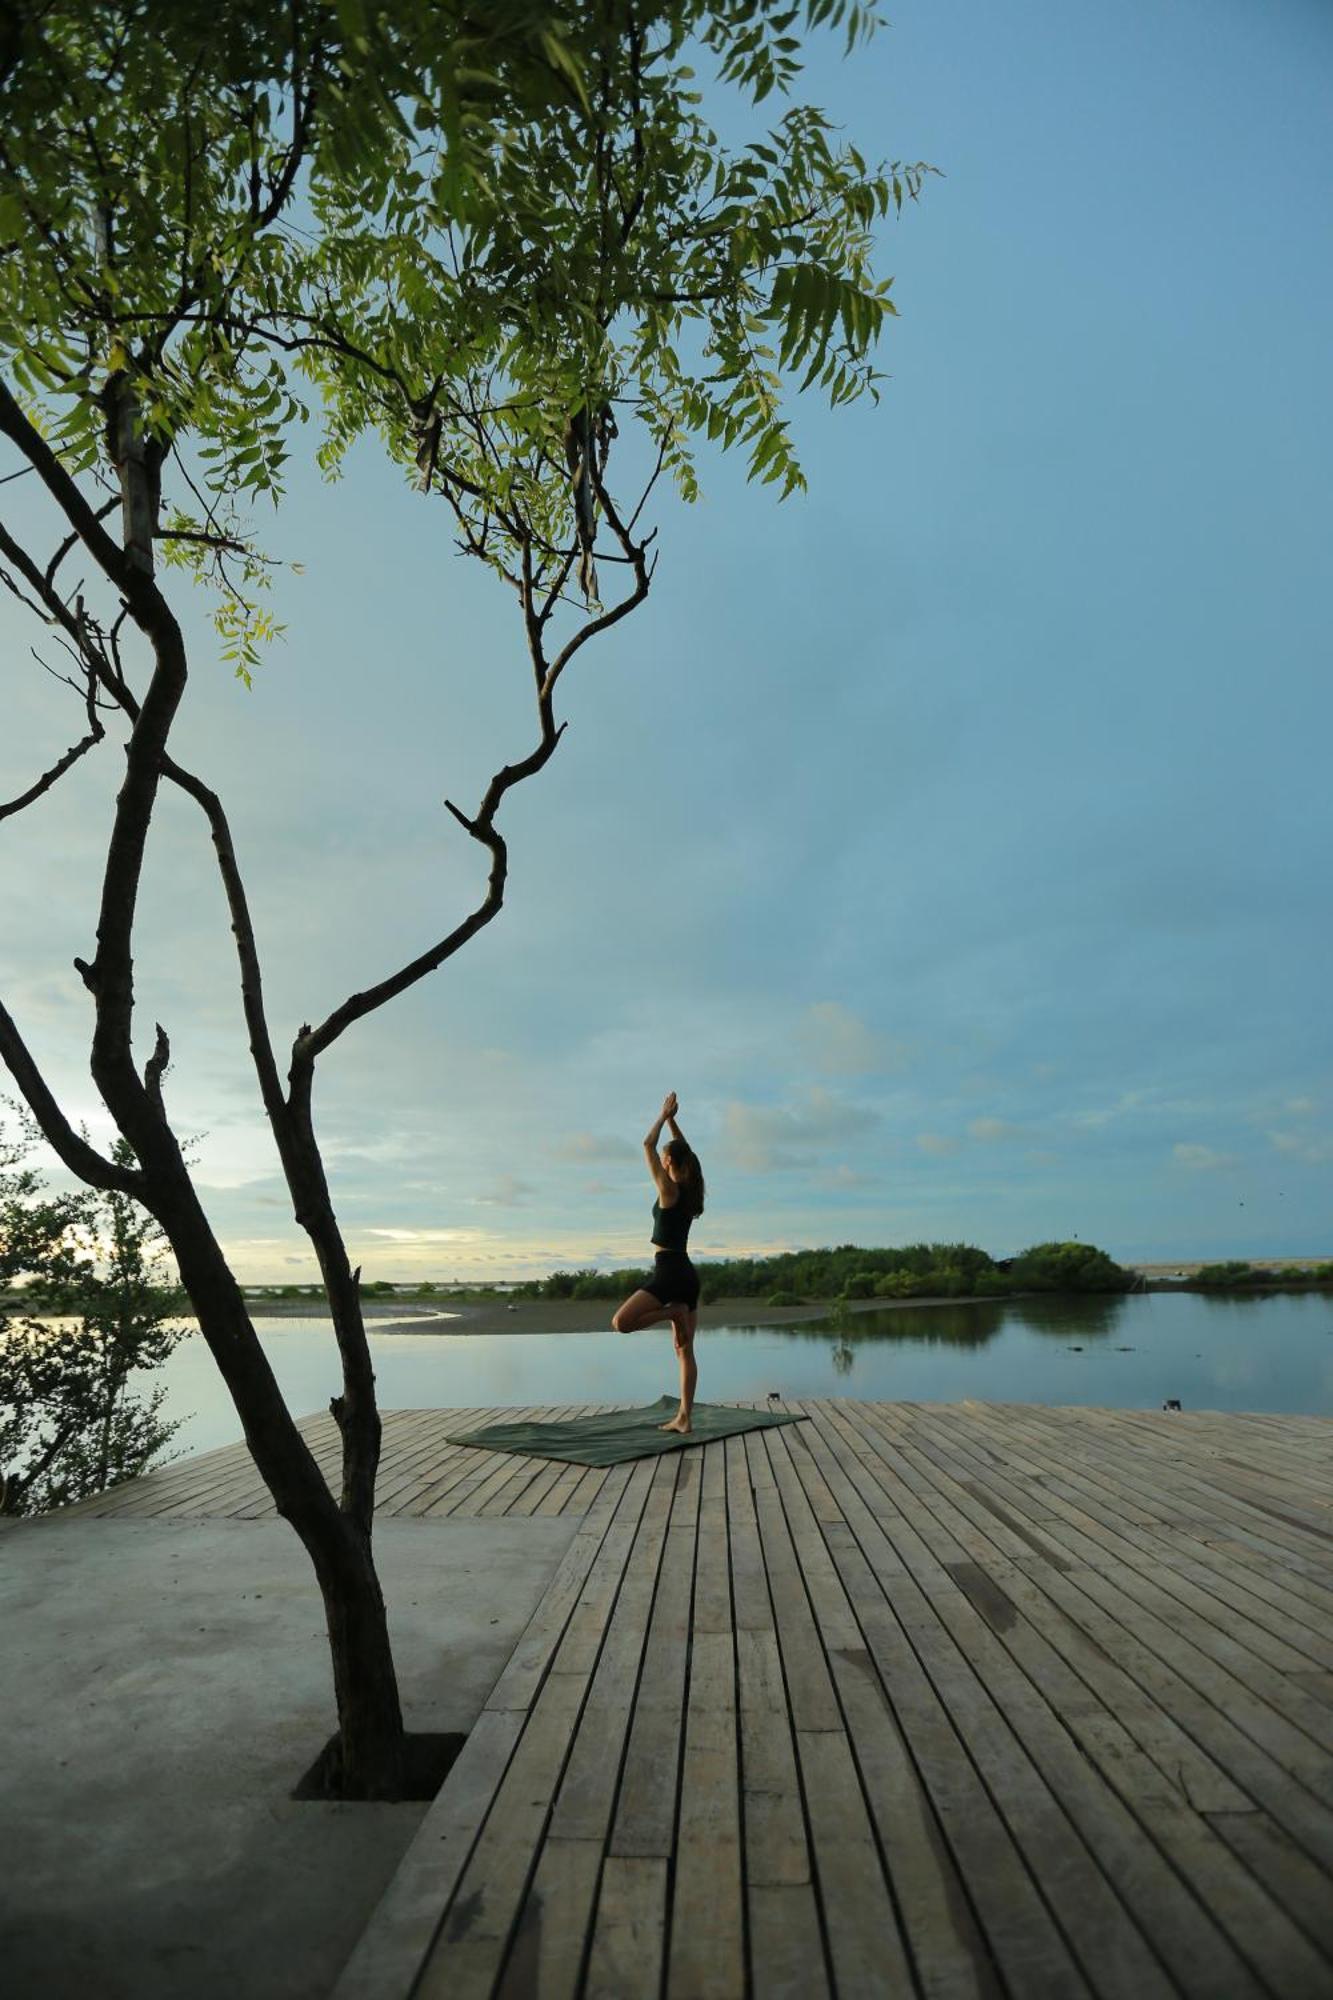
{"x":640,"y":1309}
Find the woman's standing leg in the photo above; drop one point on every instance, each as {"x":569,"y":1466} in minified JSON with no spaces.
{"x":684,"y":1321}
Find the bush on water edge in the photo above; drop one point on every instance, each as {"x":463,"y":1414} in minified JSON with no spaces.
{"x":1236,"y":1275}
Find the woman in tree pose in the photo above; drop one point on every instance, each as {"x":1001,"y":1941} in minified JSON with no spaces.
{"x":672,"y":1292}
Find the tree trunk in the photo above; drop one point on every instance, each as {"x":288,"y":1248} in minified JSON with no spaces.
{"x":369,"y":1764}
{"x":370,"y":1721}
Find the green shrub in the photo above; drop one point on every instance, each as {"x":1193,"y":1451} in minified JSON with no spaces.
{"x":992,"y":1285}
{"x":1069,"y":1267}
{"x":782,"y":1297}
{"x":1235,"y":1272}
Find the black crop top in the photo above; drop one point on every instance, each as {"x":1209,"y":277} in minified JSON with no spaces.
{"x":671,"y":1226}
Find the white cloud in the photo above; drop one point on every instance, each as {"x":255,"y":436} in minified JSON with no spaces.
{"x":760,"y":1139}
{"x":1129,"y":1100}
{"x":593,"y":1146}
{"x":1299,"y":1107}
{"x":839,"y":1043}
{"x":1300,"y":1146}
{"x":990,"y":1129}
{"x":1201,"y":1158}
{"x":427,"y":1238}
{"x":843,"y":1176}
{"x":506,"y":1192}
{"x":936,"y":1144}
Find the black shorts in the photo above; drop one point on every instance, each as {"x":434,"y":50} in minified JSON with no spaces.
{"x":673,"y":1280}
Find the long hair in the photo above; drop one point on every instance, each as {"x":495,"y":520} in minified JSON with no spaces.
{"x":692,"y":1174}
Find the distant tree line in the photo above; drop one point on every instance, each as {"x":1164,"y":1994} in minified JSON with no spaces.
{"x":916,"y":1271}
{"x":1236,"y":1275}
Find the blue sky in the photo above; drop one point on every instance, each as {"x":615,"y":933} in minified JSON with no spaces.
{"x":955,"y":839}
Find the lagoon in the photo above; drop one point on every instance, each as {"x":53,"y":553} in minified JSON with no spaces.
{"x":1127,"y":1351}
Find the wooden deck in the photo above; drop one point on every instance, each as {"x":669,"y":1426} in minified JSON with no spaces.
{"x":909,"y":1699}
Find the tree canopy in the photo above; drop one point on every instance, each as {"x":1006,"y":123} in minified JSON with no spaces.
{"x":467,"y":233}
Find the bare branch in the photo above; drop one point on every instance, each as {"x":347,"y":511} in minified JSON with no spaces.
{"x":247,"y":950}
{"x":57,"y":770}
{"x":109,"y":556}
{"x":636,"y":554}
{"x":81,"y":1158}
{"x":71,"y":539}
{"x":157,"y":1066}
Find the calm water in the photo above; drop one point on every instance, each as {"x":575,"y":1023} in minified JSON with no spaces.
{"x":1273,"y":1353}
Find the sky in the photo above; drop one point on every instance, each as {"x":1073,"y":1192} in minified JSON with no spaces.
{"x":954,"y":839}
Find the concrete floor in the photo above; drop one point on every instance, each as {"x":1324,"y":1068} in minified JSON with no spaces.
{"x":163,"y":1685}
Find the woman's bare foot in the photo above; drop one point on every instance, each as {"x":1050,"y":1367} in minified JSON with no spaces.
{"x":678,"y":1423}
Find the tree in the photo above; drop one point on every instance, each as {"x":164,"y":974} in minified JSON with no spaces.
{"x":71,"y":1423}
{"x":519,"y":242}
{"x":1068,"y":1267}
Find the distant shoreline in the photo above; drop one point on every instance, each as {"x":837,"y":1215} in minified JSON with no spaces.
{"x":439,"y":1314}
{"x":492,"y":1316}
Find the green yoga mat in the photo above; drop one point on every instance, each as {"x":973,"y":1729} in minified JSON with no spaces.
{"x":618,"y":1435}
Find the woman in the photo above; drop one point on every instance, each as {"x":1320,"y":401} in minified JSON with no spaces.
{"x":672,"y":1292}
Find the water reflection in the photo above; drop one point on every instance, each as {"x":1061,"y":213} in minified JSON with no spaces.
{"x":921,"y":1326}
{"x":1091,"y":1318}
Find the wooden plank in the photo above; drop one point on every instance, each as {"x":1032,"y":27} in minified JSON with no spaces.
{"x":222,"y":1483}
{"x":510,"y":1472}
{"x":1184,"y":1546}
{"x":546,"y":1955}
{"x":787,"y":1955}
{"x":1087,"y":1469}
{"x":396,"y":1943}
{"x":628,"y":1940}
{"x":1204,"y":1498}
{"x":399,"y":1487}
{"x":258,"y":1504}
{"x":441,"y":1472}
{"x":1023,"y":1937}
{"x":1039,"y":1783}
{"x":468,"y":1955}
{"x":706,"y":1950}
{"x":1140,"y":1829}
{"x":528,"y":1663}
{"x":1246,"y":1645}
{"x":487,"y":1470}
{"x":865,"y":1944}
{"x":585,"y":1801}
{"x":645,"y":1815}
{"x":554,"y":1500}
{"x":1161,"y":1704}
{"x":481,"y":1922}
{"x":1282,"y":1715}
{"x":585,"y":1490}
{"x":523,"y":1494}
{"x":786,"y":1947}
